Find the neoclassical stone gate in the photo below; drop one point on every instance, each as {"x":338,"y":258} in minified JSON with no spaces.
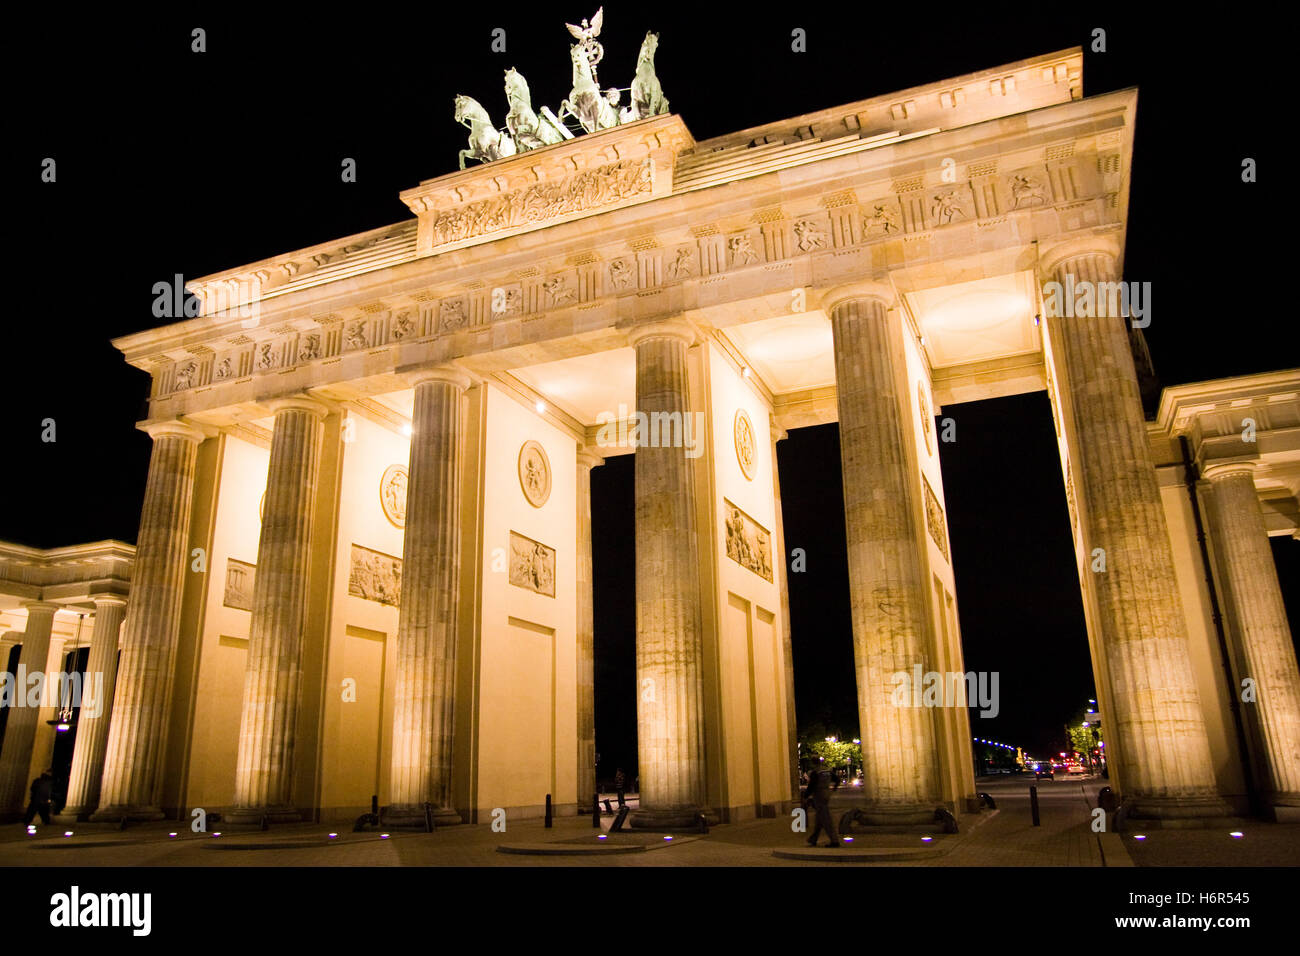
{"x":382,"y":449}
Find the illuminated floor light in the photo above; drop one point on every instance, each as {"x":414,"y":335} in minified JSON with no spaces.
{"x":602,"y":837}
{"x":848,"y":839}
{"x":171,"y":834}
{"x":383,"y":836}
{"x":333,"y":836}
{"x":67,"y":833}
{"x":1139,"y":836}
{"x":216,"y":835}
{"x":926,"y":839}
{"x":1236,"y":834}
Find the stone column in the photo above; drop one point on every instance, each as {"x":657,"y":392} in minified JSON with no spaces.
{"x":7,"y":642}
{"x":1166,"y":770}
{"x":20,"y":730}
{"x":1266,"y":652}
{"x":887,"y":584}
{"x":142,"y":698}
{"x":669,"y":638}
{"x":96,"y":705}
{"x":425,"y":695}
{"x":586,"y":633}
{"x":264,"y":767}
{"x":787,"y":648}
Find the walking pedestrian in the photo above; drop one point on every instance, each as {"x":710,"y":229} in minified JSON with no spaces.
{"x":42,"y":790}
{"x":620,"y":784}
{"x":819,"y":795}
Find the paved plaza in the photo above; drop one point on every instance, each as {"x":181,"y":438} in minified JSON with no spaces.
{"x":1003,"y":837}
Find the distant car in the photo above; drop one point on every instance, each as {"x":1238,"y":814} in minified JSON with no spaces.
{"x":1075,"y":768}
{"x":1044,"y":770}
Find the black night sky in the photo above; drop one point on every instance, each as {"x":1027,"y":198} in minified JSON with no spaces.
{"x":175,"y":162}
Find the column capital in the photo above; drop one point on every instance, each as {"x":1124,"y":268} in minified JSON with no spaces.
{"x":108,"y":600}
{"x":299,"y":403}
{"x":451,"y":374}
{"x":1218,"y":470}
{"x":1054,"y":257}
{"x":776,"y":431}
{"x":588,"y":458}
{"x":663,"y":328}
{"x":866,"y":289}
{"x":42,"y":606}
{"x":172,"y":428}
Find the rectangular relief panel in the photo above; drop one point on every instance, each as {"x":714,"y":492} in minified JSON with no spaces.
{"x":532,"y":565}
{"x":239,"y":584}
{"x":375,"y":576}
{"x":749,"y":544}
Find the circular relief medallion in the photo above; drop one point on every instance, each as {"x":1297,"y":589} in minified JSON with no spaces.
{"x":392,"y":494}
{"x":534,"y":473}
{"x":744,"y":430}
{"x":927,"y":420}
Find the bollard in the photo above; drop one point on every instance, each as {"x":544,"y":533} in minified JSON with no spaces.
{"x":548,"y":811}
{"x":1033,"y":803}
{"x":702,"y":822}
{"x":609,"y":807}
{"x":428,"y":818}
{"x":595,"y":811}
{"x":374,"y":804}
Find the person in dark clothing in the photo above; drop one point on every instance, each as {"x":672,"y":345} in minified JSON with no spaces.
{"x":42,"y":790}
{"x":819,"y":795}
{"x":620,"y":784}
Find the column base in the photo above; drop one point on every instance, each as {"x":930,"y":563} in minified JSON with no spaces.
{"x":253,"y":816}
{"x":413,"y":818}
{"x":1178,"y":808}
{"x":73,"y":815}
{"x":895,"y":816}
{"x":131,"y":814}
{"x":671,"y":818}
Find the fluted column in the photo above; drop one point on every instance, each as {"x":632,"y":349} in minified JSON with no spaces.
{"x":1266,"y":652}
{"x":887,"y":585}
{"x":132,"y":761}
{"x":787,"y":646}
{"x":264,"y":766}
{"x":669,"y":639}
{"x":96,"y":706}
{"x":1164,"y":752}
{"x":20,"y":729}
{"x":425,"y":694}
{"x":586,"y":633}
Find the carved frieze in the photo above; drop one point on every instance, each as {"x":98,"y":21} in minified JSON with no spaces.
{"x":403,"y":326}
{"x":309,"y":348}
{"x":881,"y":219}
{"x":354,"y":335}
{"x":748,"y":543}
{"x":808,"y":236}
{"x":950,"y":205}
{"x":934,"y":520}
{"x":239,"y":584}
{"x":580,"y":192}
{"x":1027,"y":190}
{"x":741,"y":250}
{"x":532,"y":565}
{"x":451,"y":314}
{"x":375,"y":576}
{"x":559,"y":291}
{"x":682,"y":263}
{"x":621,"y":274}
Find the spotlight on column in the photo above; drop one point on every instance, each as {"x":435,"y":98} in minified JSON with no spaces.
{"x":746,"y":372}
{"x":541,"y":408}
{"x":406,"y":430}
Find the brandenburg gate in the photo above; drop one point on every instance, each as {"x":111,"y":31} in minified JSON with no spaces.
{"x":364,"y":560}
